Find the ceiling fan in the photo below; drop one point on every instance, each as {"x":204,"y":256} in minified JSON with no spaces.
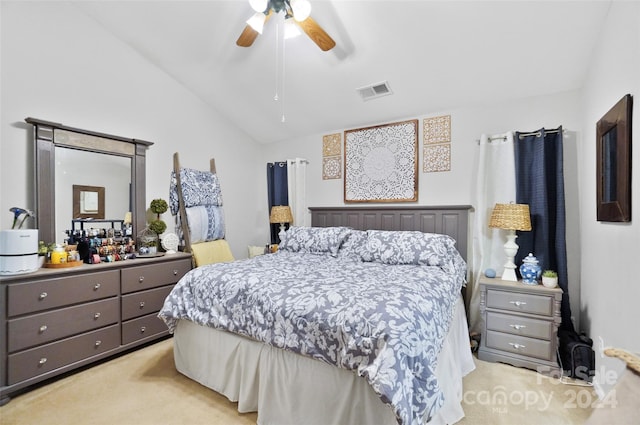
{"x":295,"y":12}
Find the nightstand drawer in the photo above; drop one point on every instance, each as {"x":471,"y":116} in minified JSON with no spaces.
{"x":521,"y":302}
{"x":519,"y":325}
{"x":529,"y":347}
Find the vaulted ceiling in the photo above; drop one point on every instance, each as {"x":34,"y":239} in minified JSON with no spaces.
{"x":435,"y":55}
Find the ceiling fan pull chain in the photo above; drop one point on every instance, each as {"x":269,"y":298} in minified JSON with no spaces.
{"x":276,"y":97}
{"x":283,"y":77}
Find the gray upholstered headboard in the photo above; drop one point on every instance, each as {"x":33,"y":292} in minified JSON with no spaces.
{"x":448,"y":220}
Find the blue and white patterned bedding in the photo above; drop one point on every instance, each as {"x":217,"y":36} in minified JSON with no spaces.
{"x":385,"y":318}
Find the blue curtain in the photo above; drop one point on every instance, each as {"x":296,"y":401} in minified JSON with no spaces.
{"x":540,"y":184}
{"x":278,"y":192}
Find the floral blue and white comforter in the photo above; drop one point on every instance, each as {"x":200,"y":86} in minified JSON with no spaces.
{"x":386,"y":322}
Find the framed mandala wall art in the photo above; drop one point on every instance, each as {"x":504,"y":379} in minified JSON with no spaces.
{"x":436,"y":133}
{"x":381,"y":163}
{"x":332,"y":156}
{"x":331,"y":167}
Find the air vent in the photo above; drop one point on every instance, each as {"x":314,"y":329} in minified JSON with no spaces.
{"x":374,"y":90}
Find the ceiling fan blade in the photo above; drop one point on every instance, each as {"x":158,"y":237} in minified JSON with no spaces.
{"x":249,"y":35}
{"x":317,"y":34}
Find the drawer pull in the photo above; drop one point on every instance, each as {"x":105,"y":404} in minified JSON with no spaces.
{"x":97,"y":315}
{"x":43,"y":295}
{"x":98,"y":343}
{"x":516,"y":345}
{"x":518,"y":303}
{"x":175,"y":272}
{"x":141,"y":279}
{"x":141,"y":304}
{"x":96,"y":286}
{"x":518,"y":327}
{"x":43,"y":328}
{"x":42,"y":361}
{"x":142,"y":329}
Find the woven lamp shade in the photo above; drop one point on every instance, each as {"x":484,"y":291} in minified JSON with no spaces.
{"x":511,"y":217}
{"x":280,"y":214}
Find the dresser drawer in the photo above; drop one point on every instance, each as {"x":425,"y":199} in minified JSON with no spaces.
{"x":521,"y":302}
{"x":142,"y":327}
{"x":45,"y":294}
{"x":37,"y":329}
{"x":153,"y":275}
{"x":36,"y":361}
{"x":519,"y":325}
{"x":529,"y":347}
{"x":144,"y":302}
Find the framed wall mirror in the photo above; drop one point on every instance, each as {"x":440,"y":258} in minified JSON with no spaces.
{"x":613,"y":166}
{"x":88,"y":202}
{"x":113,"y":169}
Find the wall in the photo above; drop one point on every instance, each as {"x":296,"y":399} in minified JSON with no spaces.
{"x":59,"y":65}
{"x":610,"y":251}
{"x":456,"y":187}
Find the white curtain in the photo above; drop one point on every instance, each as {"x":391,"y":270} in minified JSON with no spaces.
{"x":296,"y":182}
{"x":495,"y":184}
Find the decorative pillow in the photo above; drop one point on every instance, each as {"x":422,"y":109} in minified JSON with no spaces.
{"x":316,"y":240}
{"x":407,"y":247}
{"x":352,"y":245}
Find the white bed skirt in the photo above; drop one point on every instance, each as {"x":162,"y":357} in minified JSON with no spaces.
{"x":286,"y":388}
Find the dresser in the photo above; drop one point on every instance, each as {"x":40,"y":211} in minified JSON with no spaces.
{"x":520,"y":324}
{"x":57,"y":320}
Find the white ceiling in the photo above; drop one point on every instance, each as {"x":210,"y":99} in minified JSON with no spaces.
{"x":436,"y":55}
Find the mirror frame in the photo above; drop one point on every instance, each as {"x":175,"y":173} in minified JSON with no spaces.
{"x":617,"y":209}
{"x":48,"y":135}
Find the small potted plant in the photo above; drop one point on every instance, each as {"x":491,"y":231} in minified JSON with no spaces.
{"x":550,"y":278}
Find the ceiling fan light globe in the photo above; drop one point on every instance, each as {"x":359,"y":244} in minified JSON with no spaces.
{"x":259,"y":5}
{"x":301,"y":9}
{"x":257,"y":21}
{"x":291,"y":30}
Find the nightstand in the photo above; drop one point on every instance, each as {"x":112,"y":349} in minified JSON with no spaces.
{"x":520,"y":324}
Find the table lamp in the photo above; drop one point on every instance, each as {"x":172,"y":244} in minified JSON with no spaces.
{"x":280,"y":214}
{"x":510,"y":217}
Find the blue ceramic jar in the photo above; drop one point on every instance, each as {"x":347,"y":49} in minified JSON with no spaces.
{"x":530,"y":270}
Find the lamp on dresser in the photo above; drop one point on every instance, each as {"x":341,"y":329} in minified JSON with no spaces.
{"x":510,"y":217}
{"x":280,"y":214}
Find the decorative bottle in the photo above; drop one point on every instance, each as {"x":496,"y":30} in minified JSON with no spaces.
{"x":530,"y":270}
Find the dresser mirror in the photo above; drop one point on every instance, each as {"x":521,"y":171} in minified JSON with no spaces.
{"x":86,"y":178}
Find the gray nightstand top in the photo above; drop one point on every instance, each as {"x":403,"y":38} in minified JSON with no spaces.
{"x":509,"y":284}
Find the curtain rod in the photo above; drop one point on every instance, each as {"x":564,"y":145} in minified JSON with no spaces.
{"x":491,"y":139}
{"x":283,"y":163}
{"x":535,"y":133}
{"x":538,"y":133}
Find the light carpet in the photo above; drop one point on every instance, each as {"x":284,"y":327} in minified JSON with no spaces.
{"x":143,"y":387}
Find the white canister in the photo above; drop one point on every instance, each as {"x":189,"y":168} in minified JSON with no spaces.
{"x":18,"y":251}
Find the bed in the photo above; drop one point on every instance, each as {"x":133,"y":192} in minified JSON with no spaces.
{"x":356,"y":320}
